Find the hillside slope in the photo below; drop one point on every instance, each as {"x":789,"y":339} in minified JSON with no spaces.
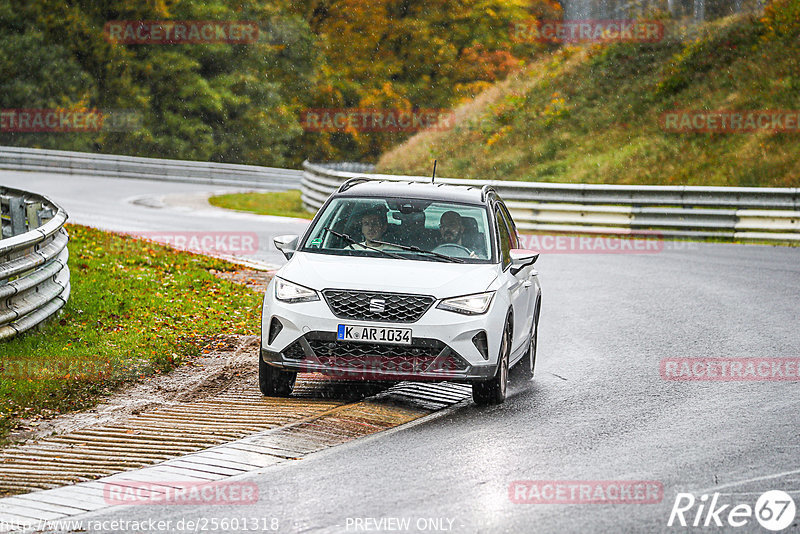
{"x":592,"y":114}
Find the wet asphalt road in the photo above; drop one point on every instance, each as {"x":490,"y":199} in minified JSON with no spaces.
{"x":597,"y":409}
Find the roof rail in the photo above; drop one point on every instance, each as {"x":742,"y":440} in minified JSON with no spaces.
{"x":485,"y":190}
{"x":351,"y":182}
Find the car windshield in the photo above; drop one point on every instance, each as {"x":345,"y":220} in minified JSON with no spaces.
{"x":402,"y":228}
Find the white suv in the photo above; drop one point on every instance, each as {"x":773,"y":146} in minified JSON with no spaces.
{"x":403,"y":281}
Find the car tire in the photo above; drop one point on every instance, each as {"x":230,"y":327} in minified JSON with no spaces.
{"x":528,"y":363}
{"x":493,"y":391}
{"x":274,"y":382}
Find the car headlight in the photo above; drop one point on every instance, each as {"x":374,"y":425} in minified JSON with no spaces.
{"x":468,"y":304}
{"x":290,"y":292}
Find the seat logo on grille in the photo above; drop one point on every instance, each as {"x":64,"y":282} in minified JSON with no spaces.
{"x":377,"y":305}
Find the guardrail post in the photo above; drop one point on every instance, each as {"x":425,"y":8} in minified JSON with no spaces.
{"x":33,"y":210}
{"x":16,"y":211}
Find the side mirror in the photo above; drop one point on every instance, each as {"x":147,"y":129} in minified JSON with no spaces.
{"x":521,"y":258}
{"x":286,"y":244}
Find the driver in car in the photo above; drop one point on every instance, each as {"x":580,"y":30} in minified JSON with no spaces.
{"x":373,"y":226}
{"x":451,"y":231}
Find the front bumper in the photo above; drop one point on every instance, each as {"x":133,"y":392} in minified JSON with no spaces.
{"x":443,"y":346}
{"x":424,"y":360}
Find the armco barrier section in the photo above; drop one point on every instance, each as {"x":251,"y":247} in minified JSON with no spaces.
{"x":728,"y":213}
{"x":198,"y":172}
{"x":34,"y":276}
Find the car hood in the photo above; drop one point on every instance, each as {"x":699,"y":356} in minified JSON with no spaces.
{"x":440,"y":279}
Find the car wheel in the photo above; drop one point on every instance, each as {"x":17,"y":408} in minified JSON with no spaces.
{"x":493,"y":391}
{"x":274,"y":382}
{"x":529,"y":362}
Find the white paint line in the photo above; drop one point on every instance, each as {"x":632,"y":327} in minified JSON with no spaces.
{"x":31,"y":513}
{"x":13,"y":521}
{"x":50,"y":498}
{"x":208,"y":469}
{"x":46,"y":507}
{"x":747,"y":481}
{"x":756,"y":492}
{"x":181,"y":473}
{"x":243,"y":457}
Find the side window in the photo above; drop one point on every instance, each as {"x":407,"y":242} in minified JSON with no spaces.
{"x":512,"y":228}
{"x":505,"y":238}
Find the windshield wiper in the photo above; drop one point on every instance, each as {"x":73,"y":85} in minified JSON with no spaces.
{"x":443,"y":257}
{"x":354,"y":242}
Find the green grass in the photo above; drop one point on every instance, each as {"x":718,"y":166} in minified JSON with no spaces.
{"x":136,"y":309}
{"x":592,"y":114}
{"x":283,"y":204}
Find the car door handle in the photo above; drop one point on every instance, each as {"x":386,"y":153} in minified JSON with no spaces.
{"x":527,"y":284}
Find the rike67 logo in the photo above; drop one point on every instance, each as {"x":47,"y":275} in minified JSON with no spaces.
{"x":774,"y":510}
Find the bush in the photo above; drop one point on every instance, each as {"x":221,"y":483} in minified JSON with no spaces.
{"x":782,"y":19}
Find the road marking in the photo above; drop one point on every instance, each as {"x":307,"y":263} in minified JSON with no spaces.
{"x":757,"y":492}
{"x":747,"y":481}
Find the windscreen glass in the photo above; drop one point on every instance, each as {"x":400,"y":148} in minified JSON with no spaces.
{"x":405,"y":228}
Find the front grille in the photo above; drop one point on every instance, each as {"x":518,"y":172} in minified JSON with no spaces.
{"x":360,"y":305}
{"x":375,"y":357}
{"x":355,"y":349}
{"x":423,"y":354}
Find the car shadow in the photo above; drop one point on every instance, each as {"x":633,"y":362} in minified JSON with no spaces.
{"x":318,"y":386}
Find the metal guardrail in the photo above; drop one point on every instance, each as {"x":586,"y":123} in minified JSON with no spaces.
{"x":84,"y":163}
{"x":34,"y":276}
{"x":730,"y":213}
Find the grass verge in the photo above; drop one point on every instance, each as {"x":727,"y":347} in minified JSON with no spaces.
{"x":282,"y":204}
{"x":136,"y":309}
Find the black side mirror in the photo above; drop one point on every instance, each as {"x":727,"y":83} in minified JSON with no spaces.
{"x":286,"y":244}
{"x":521,"y":258}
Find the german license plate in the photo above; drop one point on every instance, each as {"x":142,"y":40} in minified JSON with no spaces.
{"x":374,"y":334}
